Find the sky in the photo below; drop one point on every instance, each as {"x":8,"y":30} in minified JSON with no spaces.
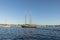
{"x":42,"y":11}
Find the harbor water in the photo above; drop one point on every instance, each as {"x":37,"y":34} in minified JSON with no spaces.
{"x":39,"y":33}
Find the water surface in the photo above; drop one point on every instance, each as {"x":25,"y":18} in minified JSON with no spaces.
{"x":40,"y":33}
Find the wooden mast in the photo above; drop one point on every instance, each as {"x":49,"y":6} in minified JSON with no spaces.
{"x":25,"y":19}
{"x":30,"y":20}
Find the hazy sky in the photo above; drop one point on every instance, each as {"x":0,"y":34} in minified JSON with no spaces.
{"x":42,"y":11}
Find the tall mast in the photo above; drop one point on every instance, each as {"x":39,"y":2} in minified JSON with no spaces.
{"x":25,"y":19}
{"x":30,"y":20}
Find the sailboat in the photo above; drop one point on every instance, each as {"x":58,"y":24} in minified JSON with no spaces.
{"x":28,"y":25}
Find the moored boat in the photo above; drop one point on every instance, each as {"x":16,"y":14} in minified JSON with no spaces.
{"x":28,"y":25}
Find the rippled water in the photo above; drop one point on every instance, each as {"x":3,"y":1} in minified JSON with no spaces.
{"x":41,"y":33}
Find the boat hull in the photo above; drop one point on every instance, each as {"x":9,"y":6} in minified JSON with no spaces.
{"x":29,"y":26}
